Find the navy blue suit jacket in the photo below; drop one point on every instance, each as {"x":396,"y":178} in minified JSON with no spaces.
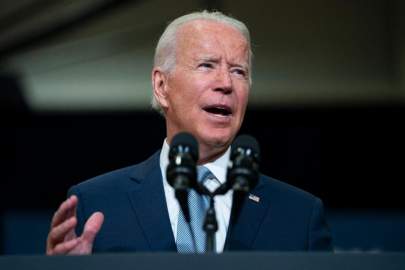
{"x":136,"y":216}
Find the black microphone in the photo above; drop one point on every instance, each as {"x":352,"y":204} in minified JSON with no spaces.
{"x":243,"y":171}
{"x":181,"y":172}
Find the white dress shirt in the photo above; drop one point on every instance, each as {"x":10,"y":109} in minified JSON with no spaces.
{"x":223,"y":203}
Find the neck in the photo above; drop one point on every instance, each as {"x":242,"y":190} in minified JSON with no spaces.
{"x":209,"y":154}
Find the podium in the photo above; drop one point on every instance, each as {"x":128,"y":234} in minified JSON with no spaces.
{"x":225,"y":261}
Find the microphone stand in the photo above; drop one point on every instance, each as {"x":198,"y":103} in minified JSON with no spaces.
{"x":210,"y":226}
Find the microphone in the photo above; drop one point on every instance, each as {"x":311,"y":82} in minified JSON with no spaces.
{"x":243,"y":170}
{"x":181,"y":172}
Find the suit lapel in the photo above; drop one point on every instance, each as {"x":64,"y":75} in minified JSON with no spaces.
{"x":243,"y":230}
{"x":149,"y":204}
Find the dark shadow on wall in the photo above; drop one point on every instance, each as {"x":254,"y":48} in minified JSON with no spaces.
{"x":12,"y":101}
{"x":13,"y":110}
{"x":348,"y":156}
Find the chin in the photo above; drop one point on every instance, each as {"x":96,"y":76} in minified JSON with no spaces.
{"x":218,"y":139}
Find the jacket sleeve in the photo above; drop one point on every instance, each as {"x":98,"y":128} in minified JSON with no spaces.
{"x":319,"y":235}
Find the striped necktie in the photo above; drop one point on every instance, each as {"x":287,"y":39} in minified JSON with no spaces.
{"x":197,"y":205}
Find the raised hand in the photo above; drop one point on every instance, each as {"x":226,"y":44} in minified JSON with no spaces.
{"x":62,"y":238}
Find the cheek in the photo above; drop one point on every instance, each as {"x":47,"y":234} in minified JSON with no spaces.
{"x":185,"y":98}
{"x":192,"y":91}
{"x":243,"y":98}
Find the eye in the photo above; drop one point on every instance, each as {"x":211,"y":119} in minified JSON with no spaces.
{"x":239,"y":72}
{"x":206,"y":65}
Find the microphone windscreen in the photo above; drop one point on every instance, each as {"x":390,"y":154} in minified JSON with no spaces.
{"x":186,"y":140}
{"x":246,"y":142}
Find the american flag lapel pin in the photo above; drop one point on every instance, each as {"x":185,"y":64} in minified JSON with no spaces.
{"x":254,"y":198}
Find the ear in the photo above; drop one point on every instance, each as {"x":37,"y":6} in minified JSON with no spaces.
{"x":160,"y":87}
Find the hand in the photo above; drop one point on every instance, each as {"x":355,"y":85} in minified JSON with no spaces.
{"x":62,"y":238}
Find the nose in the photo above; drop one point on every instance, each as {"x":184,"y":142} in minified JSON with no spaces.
{"x":224,"y":81}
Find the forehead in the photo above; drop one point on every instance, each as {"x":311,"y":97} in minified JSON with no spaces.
{"x":211,"y":37}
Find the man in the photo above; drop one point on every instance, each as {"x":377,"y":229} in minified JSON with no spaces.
{"x":201,"y":81}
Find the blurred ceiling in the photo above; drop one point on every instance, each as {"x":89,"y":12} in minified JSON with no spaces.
{"x":95,"y":54}
{"x":29,"y":23}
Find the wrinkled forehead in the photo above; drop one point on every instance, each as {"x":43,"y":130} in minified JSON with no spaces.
{"x":209,"y":35}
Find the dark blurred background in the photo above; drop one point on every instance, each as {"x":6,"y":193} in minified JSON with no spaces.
{"x":327,"y":105}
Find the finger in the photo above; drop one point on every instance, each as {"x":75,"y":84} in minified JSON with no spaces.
{"x":66,"y":210}
{"x":58,"y":233}
{"x":92,"y":227}
{"x":63,"y":248}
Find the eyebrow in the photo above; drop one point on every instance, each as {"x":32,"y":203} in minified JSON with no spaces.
{"x":241,"y":66}
{"x":209,"y":59}
{"x":215,"y":59}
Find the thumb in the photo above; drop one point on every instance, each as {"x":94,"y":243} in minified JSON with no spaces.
{"x":92,"y":227}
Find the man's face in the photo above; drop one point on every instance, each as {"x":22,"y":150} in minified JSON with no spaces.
{"x":207,"y":91}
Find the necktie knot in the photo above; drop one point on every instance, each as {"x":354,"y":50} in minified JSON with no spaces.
{"x":207,"y":178}
{"x":203,"y":173}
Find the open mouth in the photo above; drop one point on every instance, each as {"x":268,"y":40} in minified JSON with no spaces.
{"x":220,"y":110}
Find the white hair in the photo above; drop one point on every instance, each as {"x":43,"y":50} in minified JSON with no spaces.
{"x":165,"y":53}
